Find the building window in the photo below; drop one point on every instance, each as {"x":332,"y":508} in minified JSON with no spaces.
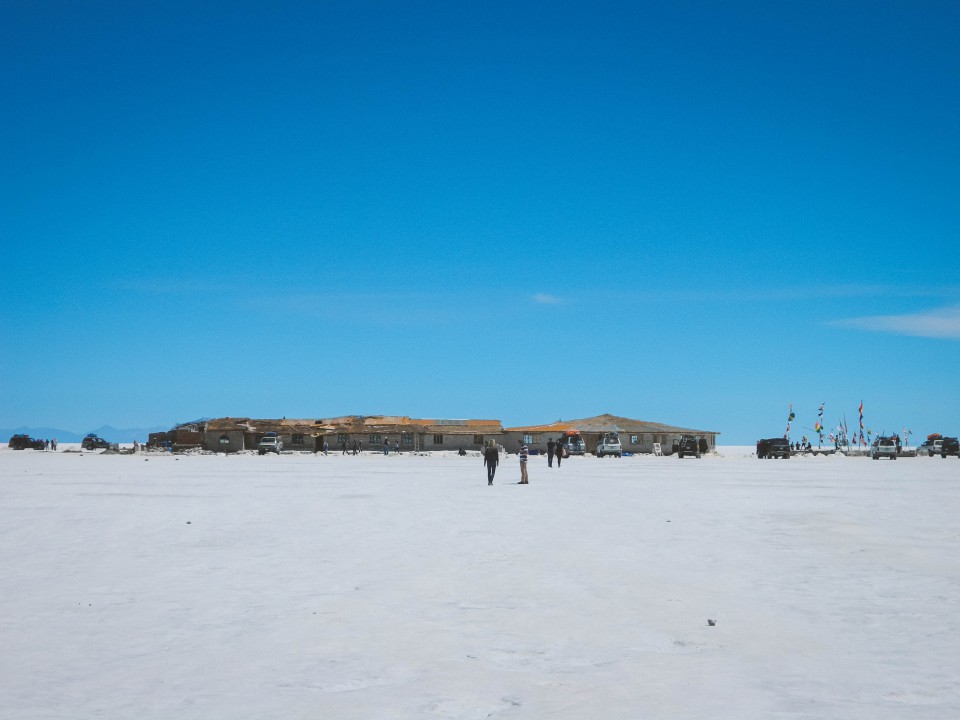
{"x":478,"y":439}
{"x":528,"y":439}
{"x":341,"y":438}
{"x":296,"y":439}
{"x":438,"y":439}
{"x":634,"y":439}
{"x":406,"y":439}
{"x":376,"y":439}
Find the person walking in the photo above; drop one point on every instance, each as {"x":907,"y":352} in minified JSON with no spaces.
{"x":550,"y":448}
{"x":524,"y":454}
{"x":559,"y":451}
{"x":386,"y":446}
{"x":491,"y":458}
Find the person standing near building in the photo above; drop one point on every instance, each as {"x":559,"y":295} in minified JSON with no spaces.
{"x":550,"y":448}
{"x":524,"y":454}
{"x":491,"y":458}
{"x":559,"y":451}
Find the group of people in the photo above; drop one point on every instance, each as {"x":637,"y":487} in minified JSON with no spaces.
{"x":491,"y":458}
{"x":357,"y":447}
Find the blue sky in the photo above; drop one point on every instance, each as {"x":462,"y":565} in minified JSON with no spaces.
{"x":687,"y":212}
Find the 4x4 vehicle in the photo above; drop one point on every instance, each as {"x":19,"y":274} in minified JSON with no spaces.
{"x":688,"y":445}
{"x":270,"y":442}
{"x":25,"y":442}
{"x":773,"y":448}
{"x":949,"y":446}
{"x":926,"y":447}
{"x":573,"y":443}
{"x":884,"y":447}
{"x":610,"y":445}
{"x":93,"y":442}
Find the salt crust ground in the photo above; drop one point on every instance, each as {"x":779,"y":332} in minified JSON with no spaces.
{"x":405,"y":587}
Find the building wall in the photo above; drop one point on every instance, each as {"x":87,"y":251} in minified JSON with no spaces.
{"x":211,"y":441}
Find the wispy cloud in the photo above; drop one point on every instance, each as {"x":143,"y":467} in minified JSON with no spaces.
{"x":943,"y":323}
{"x":546,"y":299}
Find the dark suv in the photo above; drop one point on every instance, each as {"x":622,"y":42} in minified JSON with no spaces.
{"x":773,"y":448}
{"x":950,"y":446}
{"x":688,"y":445}
{"x":25,"y":442}
{"x":93,"y":442}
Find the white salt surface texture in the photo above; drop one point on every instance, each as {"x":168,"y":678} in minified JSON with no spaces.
{"x":302,"y":586}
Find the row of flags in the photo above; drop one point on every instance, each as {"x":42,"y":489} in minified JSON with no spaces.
{"x":841,"y":435}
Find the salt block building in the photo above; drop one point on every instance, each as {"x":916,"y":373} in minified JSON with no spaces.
{"x":370,"y":432}
{"x":637,"y":436}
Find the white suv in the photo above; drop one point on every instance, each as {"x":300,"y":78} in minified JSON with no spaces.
{"x":610,"y":445}
{"x":884,"y":447}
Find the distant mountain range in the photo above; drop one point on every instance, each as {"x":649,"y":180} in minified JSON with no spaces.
{"x":107,"y":432}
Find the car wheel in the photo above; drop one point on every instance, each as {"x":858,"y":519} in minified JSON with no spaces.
{"x":680,"y":455}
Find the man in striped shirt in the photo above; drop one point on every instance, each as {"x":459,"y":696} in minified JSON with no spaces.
{"x":523,"y":453}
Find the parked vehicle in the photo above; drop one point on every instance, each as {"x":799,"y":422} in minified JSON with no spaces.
{"x":93,"y":442}
{"x":270,"y":442}
{"x":573,"y":443}
{"x":931,"y":446}
{"x":949,"y":446}
{"x":773,"y":448}
{"x":25,"y":442}
{"x":687,"y":445}
{"x":884,"y":447}
{"x":610,"y":445}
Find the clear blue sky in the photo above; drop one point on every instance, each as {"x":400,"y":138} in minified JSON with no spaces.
{"x":687,"y":212}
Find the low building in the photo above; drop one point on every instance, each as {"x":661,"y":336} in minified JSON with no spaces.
{"x":185,"y":436}
{"x":370,"y":432}
{"x":637,"y":436}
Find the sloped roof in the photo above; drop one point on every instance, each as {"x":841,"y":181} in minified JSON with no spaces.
{"x":609,"y":423}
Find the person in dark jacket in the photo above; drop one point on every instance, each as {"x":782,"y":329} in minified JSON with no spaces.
{"x":491,"y":458}
{"x":550,"y":448}
{"x":559,"y":451}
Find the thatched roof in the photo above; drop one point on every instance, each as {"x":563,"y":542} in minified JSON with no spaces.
{"x":359,"y":424}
